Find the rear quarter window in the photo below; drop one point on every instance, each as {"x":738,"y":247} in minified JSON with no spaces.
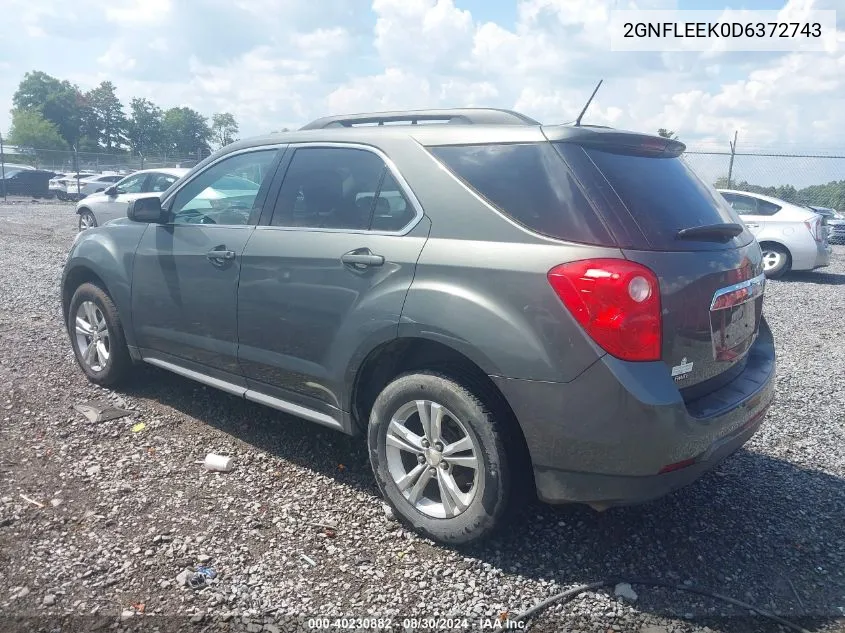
{"x":663,"y":194}
{"x":530,"y":184}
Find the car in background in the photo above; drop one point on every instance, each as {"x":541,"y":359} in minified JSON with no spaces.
{"x":112,"y":202}
{"x":93,"y":184}
{"x":791,"y":236}
{"x":9,"y":167}
{"x":59,"y":183}
{"x":835,"y":224}
{"x":55,"y":186}
{"x":26,"y":182}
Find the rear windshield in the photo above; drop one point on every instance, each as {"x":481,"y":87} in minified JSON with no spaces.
{"x":529,"y":183}
{"x":663,"y":194}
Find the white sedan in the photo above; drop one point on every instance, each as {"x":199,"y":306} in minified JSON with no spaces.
{"x":91,"y":184}
{"x":99,"y":208}
{"x":60,"y":182}
{"x":792,"y":237}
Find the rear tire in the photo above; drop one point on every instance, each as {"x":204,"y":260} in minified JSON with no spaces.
{"x":96,"y":335}
{"x":776,"y":260}
{"x":453,"y":483}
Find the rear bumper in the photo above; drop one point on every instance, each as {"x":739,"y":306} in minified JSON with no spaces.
{"x":823,"y":255}
{"x":608,"y":437}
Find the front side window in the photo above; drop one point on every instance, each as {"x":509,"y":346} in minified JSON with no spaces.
{"x":340,"y":188}
{"x":132,"y":184}
{"x":226,"y":192}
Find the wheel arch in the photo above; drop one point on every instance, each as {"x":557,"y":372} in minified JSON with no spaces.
{"x":780,"y":243}
{"x":74,"y":278}
{"x":402,"y":355}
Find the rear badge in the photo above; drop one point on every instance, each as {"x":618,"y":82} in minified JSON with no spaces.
{"x":679,"y":372}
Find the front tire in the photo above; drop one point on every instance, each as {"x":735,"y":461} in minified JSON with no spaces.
{"x":96,"y":335}
{"x":86,"y":220}
{"x":439,"y":458}
{"x":776,"y":260}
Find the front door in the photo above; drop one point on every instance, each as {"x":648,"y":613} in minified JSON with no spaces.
{"x":327,"y":276}
{"x":185,"y":280}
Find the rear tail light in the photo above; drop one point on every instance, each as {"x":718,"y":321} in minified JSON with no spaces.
{"x":815,"y":228}
{"x":616,"y":301}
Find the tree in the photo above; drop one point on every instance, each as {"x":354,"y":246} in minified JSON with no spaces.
{"x":30,"y":129}
{"x":223,"y":129}
{"x":106,"y":120}
{"x":667,"y":133}
{"x":144,"y":128}
{"x":59,"y":102}
{"x":185,"y":131}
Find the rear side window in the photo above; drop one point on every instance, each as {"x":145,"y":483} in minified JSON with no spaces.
{"x":663,"y":194}
{"x":530,"y":184}
{"x":746,"y":205}
{"x":764,"y":207}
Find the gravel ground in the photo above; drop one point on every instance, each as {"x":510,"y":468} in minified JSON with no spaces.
{"x":126,"y":509}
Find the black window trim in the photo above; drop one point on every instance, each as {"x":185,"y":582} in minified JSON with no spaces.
{"x":404,"y":188}
{"x":263,"y":191}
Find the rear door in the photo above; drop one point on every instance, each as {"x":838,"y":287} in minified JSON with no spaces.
{"x":711,"y":284}
{"x":755,"y":213}
{"x":326,"y":274}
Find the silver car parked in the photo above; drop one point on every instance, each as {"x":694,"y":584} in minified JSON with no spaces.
{"x":792,"y":237}
{"x":112,"y":203}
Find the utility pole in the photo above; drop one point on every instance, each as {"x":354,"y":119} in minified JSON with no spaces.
{"x":731,"y":164}
{"x":3,"y":167}
{"x":76,"y":160}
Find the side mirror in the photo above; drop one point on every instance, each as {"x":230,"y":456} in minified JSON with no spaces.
{"x":111,"y":190}
{"x":147,"y":210}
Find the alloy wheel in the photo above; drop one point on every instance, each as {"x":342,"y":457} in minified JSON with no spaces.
{"x":432,"y":459}
{"x":92,"y":336}
{"x":86,"y":221}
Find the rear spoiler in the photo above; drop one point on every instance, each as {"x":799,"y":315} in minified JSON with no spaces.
{"x":617,"y":141}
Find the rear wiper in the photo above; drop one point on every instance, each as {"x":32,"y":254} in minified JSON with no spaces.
{"x":711,"y":232}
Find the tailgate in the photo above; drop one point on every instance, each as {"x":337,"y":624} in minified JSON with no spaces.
{"x":711,"y":311}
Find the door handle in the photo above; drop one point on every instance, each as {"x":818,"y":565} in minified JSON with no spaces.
{"x":362,"y":258}
{"x":752,"y":225}
{"x":220,"y":254}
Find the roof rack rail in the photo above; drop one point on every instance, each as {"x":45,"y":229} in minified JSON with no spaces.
{"x":472,"y":116}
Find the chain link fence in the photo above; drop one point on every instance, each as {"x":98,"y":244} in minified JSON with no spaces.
{"x":63,"y":161}
{"x":809,"y":179}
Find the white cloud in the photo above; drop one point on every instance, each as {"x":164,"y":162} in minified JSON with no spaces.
{"x":276,"y":63}
{"x":138,"y":12}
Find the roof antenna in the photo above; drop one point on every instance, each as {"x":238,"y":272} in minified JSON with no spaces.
{"x":587,"y":105}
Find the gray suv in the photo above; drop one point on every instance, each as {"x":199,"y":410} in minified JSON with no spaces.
{"x":502,"y":308}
